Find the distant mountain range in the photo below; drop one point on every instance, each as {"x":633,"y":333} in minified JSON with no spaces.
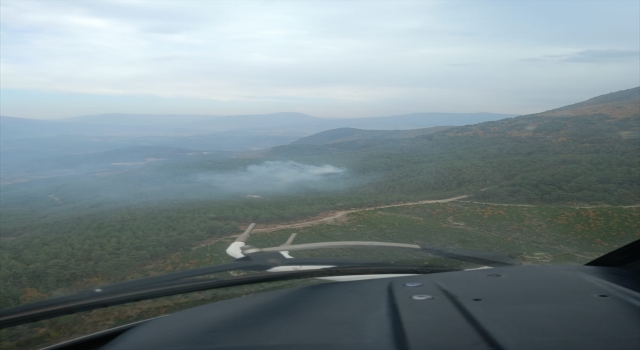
{"x":286,"y":120}
{"x":587,"y":152}
{"x":615,"y":105}
{"x":44,"y":147}
{"x":163,"y":125}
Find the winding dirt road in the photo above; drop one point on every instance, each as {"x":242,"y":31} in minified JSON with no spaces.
{"x":332,"y":216}
{"x":339,"y":214}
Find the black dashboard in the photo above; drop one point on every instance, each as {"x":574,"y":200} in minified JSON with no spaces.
{"x":526,"y":307}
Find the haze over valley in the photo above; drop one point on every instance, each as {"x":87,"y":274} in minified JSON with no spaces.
{"x":105,"y":162}
{"x":44,"y":148}
{"x":140,"y":138}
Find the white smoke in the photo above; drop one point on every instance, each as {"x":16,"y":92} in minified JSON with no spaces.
{"x":277,"y":177}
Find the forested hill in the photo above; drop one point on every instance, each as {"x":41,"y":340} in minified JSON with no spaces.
{"x":609,"y":109}
{"x":620,"y":104}
{"x":590,"y":153}
{"x":352,"y":134}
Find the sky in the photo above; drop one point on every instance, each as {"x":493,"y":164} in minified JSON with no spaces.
{"x":341,"y":59}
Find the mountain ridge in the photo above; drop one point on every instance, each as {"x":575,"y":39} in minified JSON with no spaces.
{"x":615,"y":105}
{"x":589,"y":158}
{"x":353,"y":134}
{"x":299,"y":124}
{"x":619,"y":104}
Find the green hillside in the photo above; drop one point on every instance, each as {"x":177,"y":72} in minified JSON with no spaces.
{"x":352,"y":134}
{"x":591,"y":158}
{"x":58,"y":237}
{"x":620,"y":104}
{"x":618,"y":96}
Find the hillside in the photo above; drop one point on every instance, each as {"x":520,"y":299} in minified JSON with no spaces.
{"x":580,"y":158}
{"x":620,"y":104}
{"x":589,"y":159}
{"x":352,"y":134}
{"x":419,"y":120}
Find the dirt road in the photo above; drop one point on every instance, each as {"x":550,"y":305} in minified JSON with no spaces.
{"x":333,"y":216}
{"x":574,"y":207}
{"x":339,"y":214}
{"x":325,"y":218}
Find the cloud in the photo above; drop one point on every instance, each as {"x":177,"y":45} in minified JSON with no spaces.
{"x":329,"y":58}
{"x":277,"y":177}
{"x":591,"y":56}
{"x":603,"y":56}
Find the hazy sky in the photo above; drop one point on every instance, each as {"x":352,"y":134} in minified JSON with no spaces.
{"x":329,"y":59}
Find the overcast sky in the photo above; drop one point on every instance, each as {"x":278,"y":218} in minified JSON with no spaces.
{"x":328,"y":59}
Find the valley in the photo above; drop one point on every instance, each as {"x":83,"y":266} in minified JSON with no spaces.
{"x":449,"y":142}
{"x":560,"y":187}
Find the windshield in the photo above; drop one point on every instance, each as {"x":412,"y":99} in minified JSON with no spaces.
{"x":143,"y":138}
